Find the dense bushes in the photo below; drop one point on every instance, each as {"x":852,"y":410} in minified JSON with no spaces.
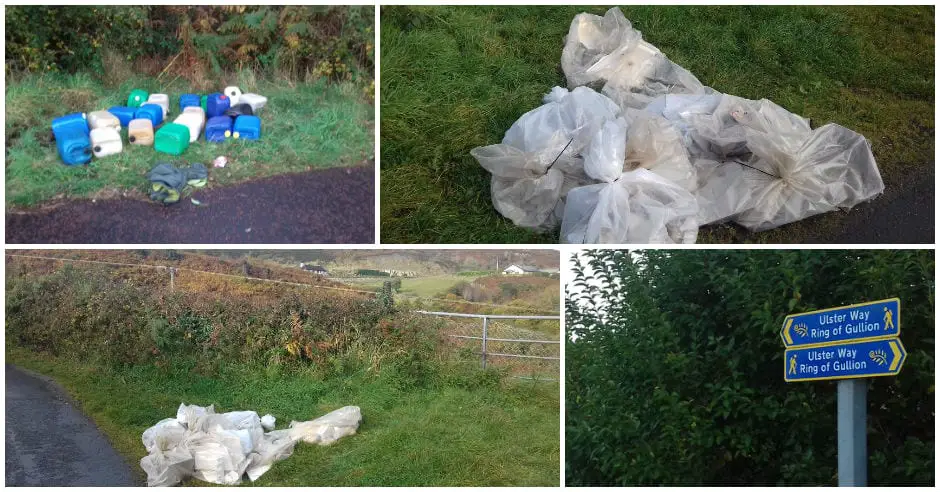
{"x":291,"y":41}
{"x":107,"y":317}
{"x":674,"y":365}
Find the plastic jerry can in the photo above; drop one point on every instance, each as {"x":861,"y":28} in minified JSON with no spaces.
{"x":239,"y":110}
{"x":161,"y":100}
{"x":216,"y":105}
{"x":140,"y":131}
{"x":195,"y":110}
{"x":254,"y":100}
{"x":69,"y":122}
{"x":74,"y":146}
{"x":152,"y":112}
{"x":172,"y":138}
{"x":247,"y":127}
{"x":202,"y":102}
{"x":191,"y":121}
{"x":137,"y":98}
{"x":124,"y":114}
{"x":233,"y":93}
{"x":218,"y":129}
{"x":187,"y":100}
{"x":105,"y":141}
{"x":103,"y":119}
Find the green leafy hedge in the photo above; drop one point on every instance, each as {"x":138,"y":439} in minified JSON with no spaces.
{"x":674,"y":358}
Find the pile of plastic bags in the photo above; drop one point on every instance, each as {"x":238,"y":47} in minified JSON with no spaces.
{"x":223,"y":447}
{"x":655,"y":154}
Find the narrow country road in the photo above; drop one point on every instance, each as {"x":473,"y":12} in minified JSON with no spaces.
{"x":50,"y":443}
{"x":335,"y":206}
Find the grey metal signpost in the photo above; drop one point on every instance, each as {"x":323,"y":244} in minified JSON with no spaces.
{"x":848,"y":343}
{"x":853,"y":447}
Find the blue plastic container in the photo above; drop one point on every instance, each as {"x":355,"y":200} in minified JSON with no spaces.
{"x":69,"y":122}
{"x":123,"y":113}
{"x":218,"y":128}
{"x":74,"y":146}
{"x":247,"y":127}
{"x":152,"y":112}
{"x":216,"y":104}
{"x":187,"y":100}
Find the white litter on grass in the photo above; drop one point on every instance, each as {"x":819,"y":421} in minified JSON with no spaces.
{"x":222,"y":448}
{"x":657,"y":154}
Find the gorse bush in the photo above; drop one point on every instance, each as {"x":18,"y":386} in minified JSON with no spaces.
{"x":295,"y":42}
{"x":674,"y":358}
{"x":109,"y":317}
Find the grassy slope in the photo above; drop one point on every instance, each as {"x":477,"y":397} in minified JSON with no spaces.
{"x":454,"y":78}
{"x":304,"y":127}
{"x":446,"y":436}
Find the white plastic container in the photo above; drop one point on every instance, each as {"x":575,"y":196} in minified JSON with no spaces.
{"x":192,"y":121}
{"x":195,"y":110}
{"x":103,"y":119}
{"x":234,"y":94}
{"x":254,"y":100}
{"x":140,"y":131}
{"x":105,"y":141}
{"x":161,"y":100}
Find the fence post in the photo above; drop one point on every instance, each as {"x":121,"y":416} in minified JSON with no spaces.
{"x":172,"y":279}
{"x":486,"y":322}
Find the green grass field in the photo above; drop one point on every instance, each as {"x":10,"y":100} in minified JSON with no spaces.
{"x":454,"y":78}
{"x":443,"y":435}
{"x":304,"y":127}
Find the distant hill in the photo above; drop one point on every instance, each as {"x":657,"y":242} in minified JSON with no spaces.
{"x":421,"y":261}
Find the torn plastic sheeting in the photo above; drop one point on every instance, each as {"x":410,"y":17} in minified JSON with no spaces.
{"x":222,"y":448}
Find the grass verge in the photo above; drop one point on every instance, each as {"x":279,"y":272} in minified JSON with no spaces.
{"x":442,"y":435}
{"x":304,"y":127}
{"x":454,"y":78}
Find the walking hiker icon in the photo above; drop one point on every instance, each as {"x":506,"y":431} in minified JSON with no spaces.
{"x":792,"y":365}
{"x":889,"y":318}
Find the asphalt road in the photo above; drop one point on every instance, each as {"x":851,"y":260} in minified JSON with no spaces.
{"x":50,"y":443}
{"x":333,"y":206}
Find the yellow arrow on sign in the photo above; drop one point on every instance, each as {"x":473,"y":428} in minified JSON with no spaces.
{"x":786,"y":332}
{"x":897,"y":355}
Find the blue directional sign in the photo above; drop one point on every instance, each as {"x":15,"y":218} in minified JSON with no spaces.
{"x":848,"y":360}
{"x":865,"y":321}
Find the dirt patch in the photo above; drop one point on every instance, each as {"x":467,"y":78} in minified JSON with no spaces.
{"x":320,"y":207}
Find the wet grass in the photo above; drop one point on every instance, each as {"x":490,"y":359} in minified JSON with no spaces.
{"x":454,"y":78}
{"x":304,"y":127}
{"x":443,"y":435}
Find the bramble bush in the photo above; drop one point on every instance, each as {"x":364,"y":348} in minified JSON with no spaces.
{"x":105,"y":316}
{"x":294,"y":42}
{"x":674,"y":362}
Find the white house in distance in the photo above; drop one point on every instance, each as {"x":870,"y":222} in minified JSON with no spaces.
{"x":520,"y":270}
{"x":315,"y":269}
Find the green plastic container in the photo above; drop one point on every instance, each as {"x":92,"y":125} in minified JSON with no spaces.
{"x":171,"y":138}
{"x":137,"y":97}
{"x":203,"y":101}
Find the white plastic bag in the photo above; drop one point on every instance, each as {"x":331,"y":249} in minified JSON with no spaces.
{"x":607,"y":50}
{"x":832,"y":168}
{"x":187,"y":414}
{"x":165,"y":468}
{"x":527,"y":167}
{"x":328,"y":428}
{"x":640,"y":207}
{"x":166,"y":434}
{"x":267,"y":422}
{"x":604,"y":156}
{"x":654,"y":144}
